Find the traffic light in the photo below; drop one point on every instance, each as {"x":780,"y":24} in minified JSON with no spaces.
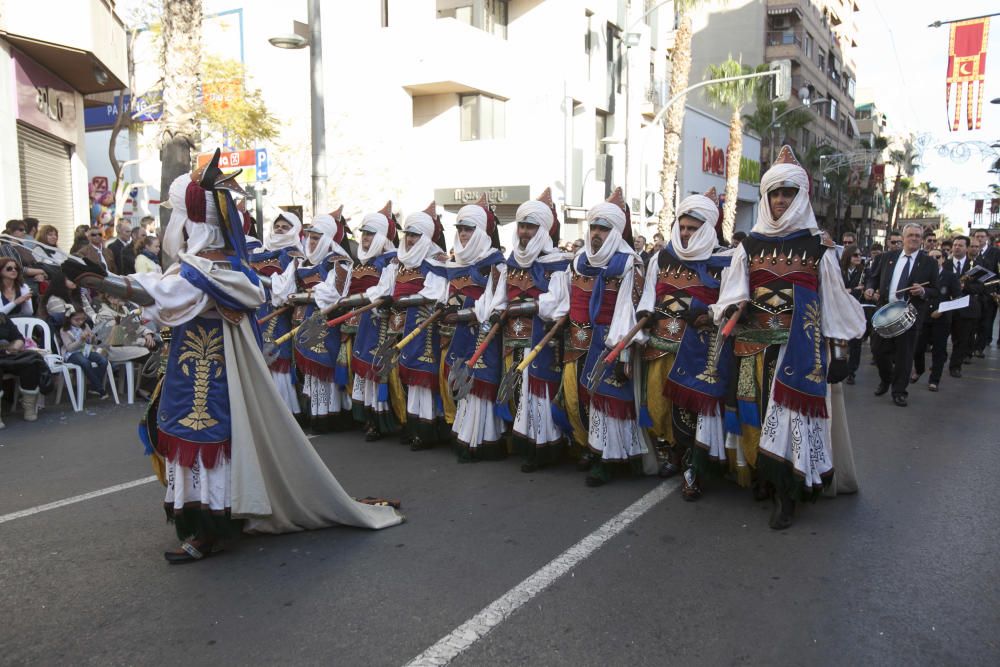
{"x":782,"y":82}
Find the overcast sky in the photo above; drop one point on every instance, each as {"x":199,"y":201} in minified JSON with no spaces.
{"x":901,"y":67}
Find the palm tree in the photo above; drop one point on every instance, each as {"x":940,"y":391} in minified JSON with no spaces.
{"x":680,"y":72}
{"x":181,"y":59}
{"x":904,"y":160}
{"x":759,"y":122}
{"x":734,"y":96}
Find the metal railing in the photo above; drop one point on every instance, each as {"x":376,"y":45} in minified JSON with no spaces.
{"x":784,"y":38}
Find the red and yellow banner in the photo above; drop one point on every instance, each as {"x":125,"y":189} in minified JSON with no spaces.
{"x":967,"y":66}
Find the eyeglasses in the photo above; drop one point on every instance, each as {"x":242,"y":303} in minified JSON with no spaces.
{"x":10,"y":267}
{"x":896,"y":242}
{"x":94,"y":234}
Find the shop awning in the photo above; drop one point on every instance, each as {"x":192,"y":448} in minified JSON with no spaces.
{"x":80,"y":69}
{"x":788,"y":9}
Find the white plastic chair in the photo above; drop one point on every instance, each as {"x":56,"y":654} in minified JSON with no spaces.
{"x":81,"y":380}
{"x":129,"y":370}
{"x":27,"y":326}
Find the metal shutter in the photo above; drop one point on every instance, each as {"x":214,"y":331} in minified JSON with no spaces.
{"x":46,"y":181}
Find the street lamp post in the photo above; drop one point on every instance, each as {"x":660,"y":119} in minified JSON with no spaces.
{"x":313,"y":38}
{"x":673,"y":100}
{"x":806,"y":102}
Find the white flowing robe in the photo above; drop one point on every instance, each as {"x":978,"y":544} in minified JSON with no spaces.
{"x":615,"y":439}
{"x":710,"y":430}
{"x":533,"y":420}
{"x":802,"y":440}
{"x":476,"y":421}
{"x":326,"y":397}
{"x":275,"y":478}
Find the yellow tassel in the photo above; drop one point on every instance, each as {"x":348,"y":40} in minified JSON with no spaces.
{"x":572,"y":399}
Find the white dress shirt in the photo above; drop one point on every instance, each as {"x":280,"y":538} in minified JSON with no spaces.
{"x":897,"y":272}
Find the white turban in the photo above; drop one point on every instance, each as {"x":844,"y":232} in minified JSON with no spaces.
{"x":423,"y":224}
{"x":799,"y":215}
{"x":200,"y":235}
{"x":323,"y":224}
{"x":539,"y":214}
{"x":277,"y":240}
{"x":614,"y":243}
{"x":480,"y":244}
{"x":702,"y":242}
{"x":378,"y":223}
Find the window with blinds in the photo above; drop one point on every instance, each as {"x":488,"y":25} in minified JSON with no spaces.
{"x":46,"y":181}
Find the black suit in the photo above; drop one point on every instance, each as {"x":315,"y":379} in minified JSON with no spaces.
{"x":964,"y":321}
{"x":894,"y":356}
{"x":988,"y":259}
{"x":854,"y":278}
{"x":935,"y":330}
{"x":117,"y":247}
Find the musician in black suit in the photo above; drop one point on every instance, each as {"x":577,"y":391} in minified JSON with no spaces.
{"x":937,"y":326}
{"x":964,"y":321}
{"x":852,"y":269}
{"x":902,"y":274}
{"x":988,"y":257}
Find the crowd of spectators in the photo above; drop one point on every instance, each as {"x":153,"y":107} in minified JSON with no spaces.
{"x":89,"y":330}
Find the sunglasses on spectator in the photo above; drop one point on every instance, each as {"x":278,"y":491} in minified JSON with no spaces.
{"x":10,"y":267}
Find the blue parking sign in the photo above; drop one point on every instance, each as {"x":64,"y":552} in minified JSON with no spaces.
{"x":261,"y":164}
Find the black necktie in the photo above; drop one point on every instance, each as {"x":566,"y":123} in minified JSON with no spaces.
{"x":904,"y":277}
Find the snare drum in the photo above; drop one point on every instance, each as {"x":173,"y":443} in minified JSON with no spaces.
{"x":894,"y":319}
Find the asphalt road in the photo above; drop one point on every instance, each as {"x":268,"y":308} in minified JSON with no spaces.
{"x":905,"y":572}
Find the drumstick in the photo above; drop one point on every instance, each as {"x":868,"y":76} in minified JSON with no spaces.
{"x":907,"y":289}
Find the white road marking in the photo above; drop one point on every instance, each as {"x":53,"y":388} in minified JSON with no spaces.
{"x":464,"y":636}
{"x":76,"y":499}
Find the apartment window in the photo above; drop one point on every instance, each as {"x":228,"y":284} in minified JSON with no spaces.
{"x":833,"y":109}
{"x":495,"y":16}
{"x":807,"y":45}
{"x":850,"y":87}
{"x":614,"y":60}
{"x":821,"y":59}
{"x":863,"y":114}
{"x":482,"y":117}
{"x":600,"y":148}
{"x":589,"y":43}
{"x":488,"y":15}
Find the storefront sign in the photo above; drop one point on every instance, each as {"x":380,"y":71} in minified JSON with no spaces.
{"x":253,"y":162}
{"x":512,"y":195}
{"x":104,"y":116}
{"x":44,"y":101}
{"x":713,"y":161}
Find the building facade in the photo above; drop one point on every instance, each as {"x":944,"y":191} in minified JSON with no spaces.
{"x":817,"y":36}
{"x":52,"y":54}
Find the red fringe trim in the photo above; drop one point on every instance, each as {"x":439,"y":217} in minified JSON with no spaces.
{"x":185,"y":452}
{"x":689,"y":399}
{"x":363,"y":368}
{"x":415,"y":378}
{"x":484,"y":390}
{"x":281,"y":365}
{"x":310,"y":367}
{"x":538,"y":387}
{"x":613,"y":407}
{"x":812,"y":406}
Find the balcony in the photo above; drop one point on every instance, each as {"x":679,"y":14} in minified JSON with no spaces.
{"x":435,"y":70}
{"x":784,"y":38}
{"x":81,"y":42}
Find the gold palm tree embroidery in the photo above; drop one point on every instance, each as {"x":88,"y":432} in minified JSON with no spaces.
{"x":201,"y":359}
{"x":812,"y":327}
